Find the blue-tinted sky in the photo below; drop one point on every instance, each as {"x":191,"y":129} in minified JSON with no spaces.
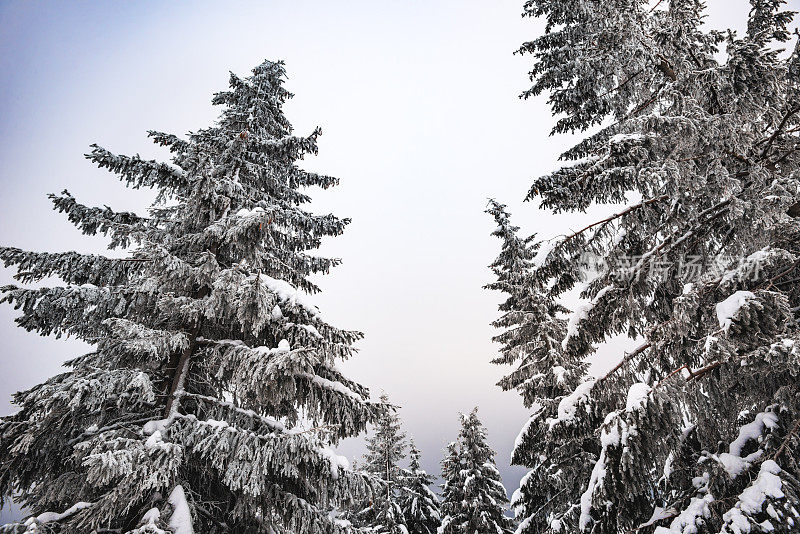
{"x":421,"y":120}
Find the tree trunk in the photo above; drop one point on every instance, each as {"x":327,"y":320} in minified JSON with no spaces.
{"x":181,"y":367}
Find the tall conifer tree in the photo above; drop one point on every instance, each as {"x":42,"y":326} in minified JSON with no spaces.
{"x":385,"y":449}
{"x":420,"y":505}
{"x":700,"y":425}
{"x":548,"y":379}
{"x":209,"y":356}
{"x":474,"y":499}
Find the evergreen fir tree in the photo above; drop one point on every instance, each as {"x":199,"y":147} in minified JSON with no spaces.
{"x":473,"y":499}
{"x":385,"y":449}
{"x":533,"y":328}
{"x":209,"y":357}
{"x":419,"y":504}
{"x":700,"y":426}
{"x":452,"y":483}
{"x":549,"y":380}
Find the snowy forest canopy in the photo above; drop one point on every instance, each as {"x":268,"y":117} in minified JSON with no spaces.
{"x":213,"y":399}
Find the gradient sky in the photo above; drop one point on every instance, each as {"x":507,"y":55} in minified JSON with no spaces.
{"x":421,"y":121}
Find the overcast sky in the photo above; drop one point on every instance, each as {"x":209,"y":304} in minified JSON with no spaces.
{"x":421,"y":121}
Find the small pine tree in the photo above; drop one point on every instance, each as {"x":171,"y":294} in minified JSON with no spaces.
{"x":452,"y":483}
{"x":559,"y":455}
{"x":385,"y":449}
{"x":207,"y":353}
{"x":533,"y":330}
{"x":419,"y":504}
{"x":474,"y":499}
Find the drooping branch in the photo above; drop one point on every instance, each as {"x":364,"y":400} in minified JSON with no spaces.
{"x":771,"y":139}
{"x":625,"y":359}
{"x":615,"y":216}
{"x":788,"y":438}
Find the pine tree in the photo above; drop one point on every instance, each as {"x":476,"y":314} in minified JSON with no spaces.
{"x":209,"y":358}
{"x":385,"y":449}
{"x":473,"y":498}
{"x":420,"y":506}
{"x":452,"y":482}
{"x":700,"y":424}
{"x":550,"y":382}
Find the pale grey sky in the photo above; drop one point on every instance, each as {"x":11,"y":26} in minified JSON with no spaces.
{"x":421,"y":121}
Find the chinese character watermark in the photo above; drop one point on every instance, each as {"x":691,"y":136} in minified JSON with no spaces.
{"x":689,"y":268}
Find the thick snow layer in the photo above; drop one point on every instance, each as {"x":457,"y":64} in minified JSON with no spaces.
{"x":467,"y":482}
{"x":620,"y":137}
{"x":668,"y":469}
{"x":155,"y":442}
{"x":287,"y":292}
{"x":598,"y":473}
{"x":736,"y":465}
{"x":156,"y":425}
{"x":580,"y":314}
{"x":48,"y":517}
{"x":181,"y":520}
{"x":537,"y":410}
{"x":247,"y":213}
{"x":616,"y":429}
{"x":749,"y":266}
{"x":559,"y":372}
{"x":753,"y":431}
{"x":568,"y":406}
{"x":344,"y":523}
{"x":523,"y":525}
{"x":332,"y":385}
{"x":637,"y":396}
{"x":728,"y":308}
{"x":751,"y":502}
{"x":732,"y":461}
{"x":546,"y":247}
{"x":311,"y":329}
{"x":335,"y":460}
{"x":522,"y":483}
{"x":213,"y":423}
{"x":659,"y":513}
{"x":610,"y":433}
{"x":687,"y":520}
{"x":151,"y":516}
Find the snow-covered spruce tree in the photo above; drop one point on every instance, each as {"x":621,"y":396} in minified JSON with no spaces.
{"x":473,"y":497}
{"x":210,"y":362}
{"x":533,"y":329}
{"x":452,"y":484}
{"x":701,"y":428}
{"x":550,"y":381}
{"x":385,"y":449}
{"x":420,"y":505}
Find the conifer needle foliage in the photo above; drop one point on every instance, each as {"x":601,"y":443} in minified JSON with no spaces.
{"x":211,"y":399}
{"x":695,"y":135}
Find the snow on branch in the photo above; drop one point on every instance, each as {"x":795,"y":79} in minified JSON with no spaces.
{"x":729,"y":308}
{"x":49,"y":517}
{"x":568,"y":406}
{"x":181,"y":519}
{"x":580,"y":314}
{"x":768,"y":485}
{"x":732,"y":461}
